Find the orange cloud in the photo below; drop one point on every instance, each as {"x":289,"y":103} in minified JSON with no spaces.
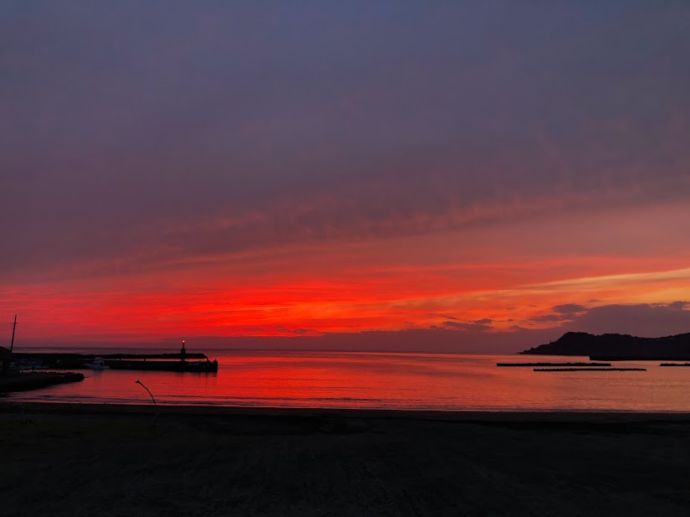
{"x":511,"y":273}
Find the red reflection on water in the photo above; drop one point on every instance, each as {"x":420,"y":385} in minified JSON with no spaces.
{"x":372,"y":380}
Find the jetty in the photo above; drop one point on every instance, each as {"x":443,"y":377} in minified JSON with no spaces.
{"x":559,"y":364}
{"x":14,"y":364}
{"x":182,"y":365}
{"x":640,"y":357}
{"x":22,"y":371}
{"x":25,"y":381}
{"x":190,"y":362}
{"x":182,"y":361}
{"x":590,"y":369}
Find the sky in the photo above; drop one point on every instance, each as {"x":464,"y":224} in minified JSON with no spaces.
{"x":434,"y":176}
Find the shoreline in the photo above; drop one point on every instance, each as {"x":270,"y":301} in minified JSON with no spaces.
{"x":460,"y":416}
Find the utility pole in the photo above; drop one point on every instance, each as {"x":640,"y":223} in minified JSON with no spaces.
{"x":14,"y":329}
{"x":8,"y":356}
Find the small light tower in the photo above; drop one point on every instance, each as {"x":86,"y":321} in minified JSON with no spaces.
{"x":183,"y":351}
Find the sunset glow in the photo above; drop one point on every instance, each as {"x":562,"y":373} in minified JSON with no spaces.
{"x":196,"y":180}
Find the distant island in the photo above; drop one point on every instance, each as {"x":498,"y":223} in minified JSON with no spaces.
{"x":617,"y":347}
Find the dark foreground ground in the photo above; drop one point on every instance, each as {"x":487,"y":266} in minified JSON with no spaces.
{"x":66,"y":461}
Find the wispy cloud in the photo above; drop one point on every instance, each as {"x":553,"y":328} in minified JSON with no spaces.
{"x":251,"y":168}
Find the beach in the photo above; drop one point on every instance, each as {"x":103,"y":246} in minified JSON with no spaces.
{"x":61,"y":459}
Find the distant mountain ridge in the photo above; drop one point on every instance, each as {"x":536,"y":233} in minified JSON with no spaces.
{"x":617,"y":347}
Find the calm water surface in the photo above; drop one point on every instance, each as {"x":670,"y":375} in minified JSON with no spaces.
{"x":384,"y":380}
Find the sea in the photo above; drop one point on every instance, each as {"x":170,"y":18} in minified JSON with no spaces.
{"x":362,"y":380}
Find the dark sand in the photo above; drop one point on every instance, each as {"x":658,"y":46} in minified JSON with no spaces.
{"x":102,"y":461}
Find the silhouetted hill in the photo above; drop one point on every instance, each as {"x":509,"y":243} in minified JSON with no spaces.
{"x":613,"y":347}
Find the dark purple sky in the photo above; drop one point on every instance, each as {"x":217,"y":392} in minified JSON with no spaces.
{"x":157,"y":152}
